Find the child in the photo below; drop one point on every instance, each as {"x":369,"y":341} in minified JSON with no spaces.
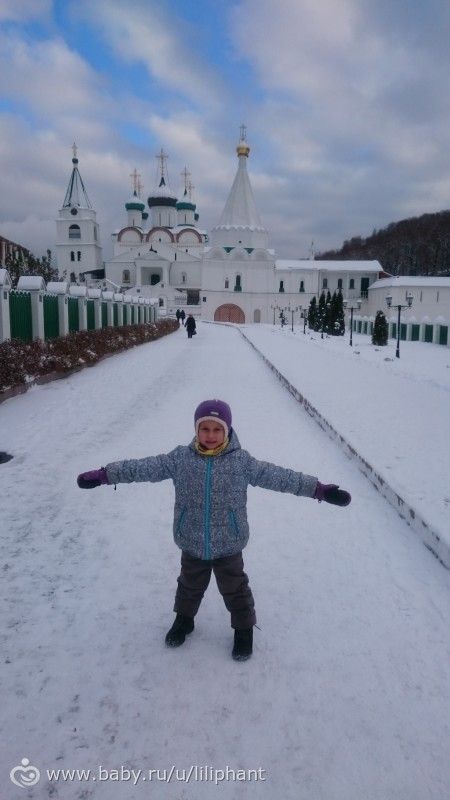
{"x":210,"y":526}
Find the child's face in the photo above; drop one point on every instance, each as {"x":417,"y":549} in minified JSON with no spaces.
{"x":211,"y":434}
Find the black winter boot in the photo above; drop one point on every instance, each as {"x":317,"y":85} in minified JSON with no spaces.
{"x":179,"y":629}
{"x":243,"y":644}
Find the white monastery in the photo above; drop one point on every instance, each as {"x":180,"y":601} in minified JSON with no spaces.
{"x":230,"y":274}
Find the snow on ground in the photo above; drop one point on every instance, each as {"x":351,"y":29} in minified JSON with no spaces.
{"x":347,"y":694}
{"x":395,"y":412}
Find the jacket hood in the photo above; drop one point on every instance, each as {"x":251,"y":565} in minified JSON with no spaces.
{"x":233,"y":444}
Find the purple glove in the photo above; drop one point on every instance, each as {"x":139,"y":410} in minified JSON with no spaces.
{"x":89,"y":480}
{"x":331,"y":493}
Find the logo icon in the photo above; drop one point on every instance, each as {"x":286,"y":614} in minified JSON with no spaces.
{"x":25,"y":774}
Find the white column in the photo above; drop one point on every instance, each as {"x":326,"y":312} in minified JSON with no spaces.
{"x":63,"y":314}
{"x":5,"y":322}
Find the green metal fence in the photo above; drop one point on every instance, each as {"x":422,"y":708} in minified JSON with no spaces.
{"x":90,"y":308}
{"x":443,"y":334}
{"x":20,"y":316}
{"x":125,"y":314}
{"x":74,"y":315}
{"x":104,"y":314}
{"x":428,"y":333}
{"x":415,"y":333}
{"x":115,"y":315}
{"x":51,"y":316}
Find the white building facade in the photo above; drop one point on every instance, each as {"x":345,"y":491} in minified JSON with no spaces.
{"x":232,"y":275}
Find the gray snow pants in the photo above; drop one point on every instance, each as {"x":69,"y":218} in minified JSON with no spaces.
{"x":232,"y":583}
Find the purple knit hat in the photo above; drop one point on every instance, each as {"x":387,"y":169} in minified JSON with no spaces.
{"x":213,"y":410}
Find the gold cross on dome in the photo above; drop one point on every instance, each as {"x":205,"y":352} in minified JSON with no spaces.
{"x":186,"y":175}
{"x":135,"y":175}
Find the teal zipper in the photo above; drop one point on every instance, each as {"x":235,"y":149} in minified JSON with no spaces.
{"x":207,"y":547}
{"x":233,"y":522}
{"x":181,"y":520}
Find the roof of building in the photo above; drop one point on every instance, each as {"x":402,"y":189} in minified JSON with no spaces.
{"x":328,"y":266}
{"x":240,"y":209}
{"x":135,"y":203}
{"x":76,"y":194}
{"x":405,"y":281}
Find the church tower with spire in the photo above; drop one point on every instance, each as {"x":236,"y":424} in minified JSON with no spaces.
{"x":78,"y":248}
{"x":240,"y":224}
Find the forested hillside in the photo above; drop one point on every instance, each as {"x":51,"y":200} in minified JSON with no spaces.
{"x":415,"y":246}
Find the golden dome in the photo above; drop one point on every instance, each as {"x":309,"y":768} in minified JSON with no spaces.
{"x":243,"y":149}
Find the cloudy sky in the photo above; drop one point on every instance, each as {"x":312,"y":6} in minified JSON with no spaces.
{"x":346,"y":104}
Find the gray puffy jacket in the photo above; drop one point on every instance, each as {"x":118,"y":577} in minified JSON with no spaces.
{"x":210,"y":517}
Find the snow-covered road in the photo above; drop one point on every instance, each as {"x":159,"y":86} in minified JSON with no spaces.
{"x":347,"y":695}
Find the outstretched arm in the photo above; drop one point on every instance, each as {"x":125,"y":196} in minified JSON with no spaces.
{"x":280,"y":479}
{"x":152,"y":468}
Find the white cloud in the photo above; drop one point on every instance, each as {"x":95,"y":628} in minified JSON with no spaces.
{"x":49,"y":77}
{"x":143,"y":32}
{"x":24,"y":10}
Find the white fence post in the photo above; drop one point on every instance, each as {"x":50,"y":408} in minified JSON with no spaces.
{"x":5,"y":322}
{"x":35,"y":285}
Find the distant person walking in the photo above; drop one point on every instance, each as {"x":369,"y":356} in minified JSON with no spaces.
{"x":182,"y":316}
{"x":178,"y":314}
{"x":190,"y":326}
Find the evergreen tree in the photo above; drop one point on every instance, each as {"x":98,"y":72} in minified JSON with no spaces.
{"x":320,"y":320}
{"x":328,"y":326}
{"x":312,"y":314}
{"x":20,"y":263}
{"x":339,"y":315}
{"x":380,"y":330}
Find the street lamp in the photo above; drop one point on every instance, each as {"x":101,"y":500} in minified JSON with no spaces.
{"x":409,"y":299}
{"x":275,"y":308}
{"x":293,"y":310}
{"x":352,"y":309}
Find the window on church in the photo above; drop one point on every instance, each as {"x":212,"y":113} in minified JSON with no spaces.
{"x":79,"y":255}
{"x":281,"y":289}
{"x":227,"y":283}
{"x":340,"y":283}
{"x":352,"y":283}
{"x":183,"y":277}
{"x":126,"y":276}
{"x":161,"y":302}
{"x":74,"y":232}
{"x":72,"y":255}
{"x":237,"y":285}
{"x":302,"y":286}
{"x":325,"y":283}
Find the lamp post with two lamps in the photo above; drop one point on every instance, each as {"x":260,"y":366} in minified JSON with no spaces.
{"x":408,"y":304}
{"x":292,"y":312}
{"x":352,"y":308}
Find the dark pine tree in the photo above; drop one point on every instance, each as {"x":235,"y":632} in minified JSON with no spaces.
{"x":380,"y":330}
{"x":320,"y":320}
{"x":339,"y":324}
{"x":312,"y":314}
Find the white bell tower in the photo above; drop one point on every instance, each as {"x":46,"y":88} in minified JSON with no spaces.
{"x":78,"y":248}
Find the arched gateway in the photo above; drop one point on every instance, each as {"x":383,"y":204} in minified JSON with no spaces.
{"x":229,"y":313}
